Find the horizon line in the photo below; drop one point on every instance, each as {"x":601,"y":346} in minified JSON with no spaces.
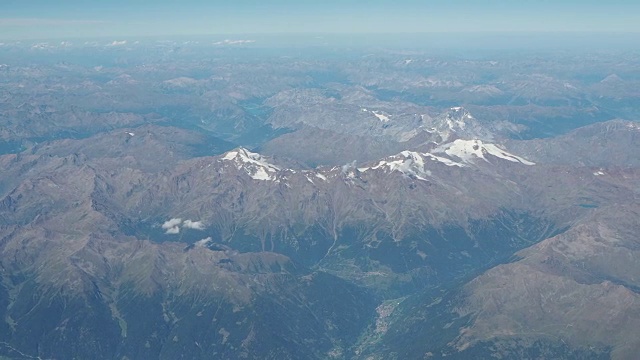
{"x":505,"y":33}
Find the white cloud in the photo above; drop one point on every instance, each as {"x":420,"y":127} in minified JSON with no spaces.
{"x":233,"y":42}
{"x":118,"y":43}
{"x":172,"y":231}
{"x":41,"y":46}
{"x":172,"y":223}
{"x":198,"y":225}
{"x":203,"y":242}
{"x":173,"y":226}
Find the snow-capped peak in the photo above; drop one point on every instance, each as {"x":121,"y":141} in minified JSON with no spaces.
{"x":254,"y":164}
{"x":411,"y":163}
{"x":407,"y":162}
{"x":456,"y":120}
{"x":613,"y":78}
{"x":469,"y":150}
{"x":633,"y":126}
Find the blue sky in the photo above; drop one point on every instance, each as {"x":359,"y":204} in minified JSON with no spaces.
{"x":24,"y":19}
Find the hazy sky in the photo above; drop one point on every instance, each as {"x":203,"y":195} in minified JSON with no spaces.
{"x":23,"y":19}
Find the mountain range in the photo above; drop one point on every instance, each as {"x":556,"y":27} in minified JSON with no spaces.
{"x":172,"y":204}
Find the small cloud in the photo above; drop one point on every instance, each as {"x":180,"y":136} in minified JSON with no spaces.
{"x":203,"y":242}
{"x":233,"y":42}
{"x":41,"y":46}
{"x":197,"y":225}
{"x":173,"y":226}
{"x":172,"y":231}
{"x":171,"y":223}
{"x":117,"y":43}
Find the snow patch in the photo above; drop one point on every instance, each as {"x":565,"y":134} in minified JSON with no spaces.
{"x":408,"y":163}
{"x":382,"y":117}
{"x":469,"y":150}
{"x":411,"y":163}
{"x":261,"y":174}
{"x":378,"y":114}
{"x":457,"y":120}
{"x":443,"y":160}
{"x":254,"y":164}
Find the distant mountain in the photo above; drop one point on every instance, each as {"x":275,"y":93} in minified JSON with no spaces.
{"x":612,"y":143}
